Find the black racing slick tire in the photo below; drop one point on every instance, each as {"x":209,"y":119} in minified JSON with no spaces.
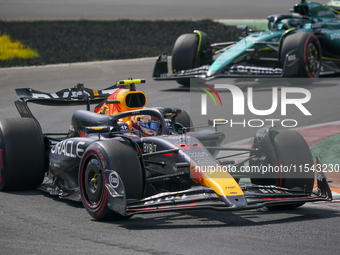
{"x":23,"y":159}
{"x":185,"y":120}
{"x":108,"y":155}
{"x":184,"y":55}
{"x":308,"y":52}
{"x":292,"y":152}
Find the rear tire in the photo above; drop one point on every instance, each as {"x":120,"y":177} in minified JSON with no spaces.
{"x":309,"y":54}
{"x":291,"y":150}
{"x":22,"y":154}
{"x":108,"y":155}
{"x":184,"y":55}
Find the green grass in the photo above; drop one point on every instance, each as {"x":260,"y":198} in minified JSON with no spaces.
{"x":252,"y":24}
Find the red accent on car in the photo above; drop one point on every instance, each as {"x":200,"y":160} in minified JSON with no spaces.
{"x":82,"y":134}
{"x":1,"y":159}
{"x":168,"y":154}
{"x":198,"y":146}
{"x":183,"y":146}
{"x":104,"y":202}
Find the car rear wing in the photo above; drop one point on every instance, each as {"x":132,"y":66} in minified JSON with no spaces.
{"x":78,"y":95}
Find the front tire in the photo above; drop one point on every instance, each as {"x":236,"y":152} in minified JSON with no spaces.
{"x":308,"y":53}
{"x":184,"y":55}
{"x":22,"y":154}
{"x":291,"y":150}
{"x":108,"y":155}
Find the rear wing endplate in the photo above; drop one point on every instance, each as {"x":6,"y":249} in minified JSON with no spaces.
{"x":78,"y":95}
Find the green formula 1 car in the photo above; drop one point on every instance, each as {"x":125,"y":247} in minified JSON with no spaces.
{"x":304,"y":43}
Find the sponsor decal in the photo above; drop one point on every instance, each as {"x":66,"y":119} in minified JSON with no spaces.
{"x":325,"y":13}
{"x":135,"y":112}
{"x":174,"y":137}
{"x":291,"y":57}
{"x":72,"y":94}
{"x":149,"y":147}
{"x":169,"y":198}
{"x":335,"y":36}
{"x":267,"y":191}
{"x":163,"y":58}
{"x":96,"y":149}
{"x":124,"y":127}
{"x":255,"y":70}
{"x":67,"y":148}
{"x":114,"y":179}
{"x":317,"y":25}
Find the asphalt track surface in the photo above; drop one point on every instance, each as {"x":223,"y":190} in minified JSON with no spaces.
{"x":141,"y":9}
{"x":35,"y":223}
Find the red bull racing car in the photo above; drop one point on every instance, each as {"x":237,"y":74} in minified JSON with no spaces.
{"x":124,"y":158}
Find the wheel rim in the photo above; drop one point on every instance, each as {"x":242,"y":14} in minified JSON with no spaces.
{"x":312,"y":60}
{"x":93,"y":183}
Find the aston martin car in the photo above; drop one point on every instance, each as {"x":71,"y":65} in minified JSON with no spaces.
{"x":304,"y":43}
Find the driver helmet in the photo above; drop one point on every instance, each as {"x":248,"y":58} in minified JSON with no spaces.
{"x":297,"y":23}
{"x":145,"y":124}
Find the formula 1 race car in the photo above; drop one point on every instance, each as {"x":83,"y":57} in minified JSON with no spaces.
{"x":305,"y":43}
{"x":125,"y":159}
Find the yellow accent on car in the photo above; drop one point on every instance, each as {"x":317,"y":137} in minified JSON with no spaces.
{"x":286,"y":32}
{"x":223,"y":186}
{"x":96,"y":93}
{"x":219,"y":120}
{"x":97,"y":128}
{"x":129,"y":82}
{"x":243,"y":56}
{"x":199,"y":39}
{"x":333,"y":59}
